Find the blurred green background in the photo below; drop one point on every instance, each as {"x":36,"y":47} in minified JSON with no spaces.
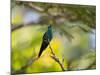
{"x":73,"y":36}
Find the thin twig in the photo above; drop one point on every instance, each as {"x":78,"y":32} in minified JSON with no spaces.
{"x":51,"y":50}
{"x":89,"y":67}
{"x":30,"y":61}
{"x":15,"y":27}
{"x":56,"y":58}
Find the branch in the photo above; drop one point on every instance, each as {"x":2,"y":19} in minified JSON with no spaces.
{"x":15,"y":27}
{"x":56,"y":58}
{"x":44,"y":13}
{"x":20,"y":70}
{"x":89,"y":67}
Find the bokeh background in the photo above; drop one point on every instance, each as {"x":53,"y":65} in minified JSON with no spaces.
{"x":74,"y":36}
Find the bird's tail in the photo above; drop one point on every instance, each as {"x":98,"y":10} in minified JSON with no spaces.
{"x":40,"y":53}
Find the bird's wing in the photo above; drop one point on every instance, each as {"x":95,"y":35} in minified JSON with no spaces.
{"x":44,"y":44}
{"x":46,"y":37}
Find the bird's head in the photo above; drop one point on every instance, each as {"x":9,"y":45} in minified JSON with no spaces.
{"x":49,"y":27}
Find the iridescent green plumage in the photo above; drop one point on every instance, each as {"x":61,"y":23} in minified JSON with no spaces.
{"x":46,"y":40}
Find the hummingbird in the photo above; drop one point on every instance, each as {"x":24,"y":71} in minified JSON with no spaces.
{"x":47,"y":37}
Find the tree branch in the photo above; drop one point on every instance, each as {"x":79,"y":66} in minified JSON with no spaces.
{"x":56,"y":58}
{"x":30,"y":61}
{"x":15,"y":27}
{"x":89,"y":67}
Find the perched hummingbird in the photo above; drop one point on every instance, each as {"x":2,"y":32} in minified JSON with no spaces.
{"x":46,"y":40}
